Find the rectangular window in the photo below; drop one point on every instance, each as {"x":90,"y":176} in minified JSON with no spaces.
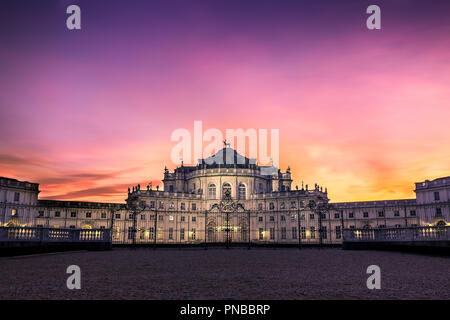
{"x":261,"y":234}
{"x":161,"y":205}
{"x":336,"y":215}
{"x":88,"y":215}
{"x":271,"y":206}
{"x":260,"y":219}
{"x":130,"y":233}
{"x":73,"y":214}
{"x":365,"y":214}
{"x":272,"y":218}
{"x":152,"y":204}
{"x":293,"y":205}
{"x":381,"y":213}
{"x":311,"y":216}
{"x":324,"y":232}
{"x":131,"y":216}
{"x":194,"y":206}
{"x":260,"y":207}
{"x":294,"y":232}
{"x":57,"y":214}
{"x":313,"y":232}
{"x":72,"y":227}
{"x":282,"y":205}
{"x":283,"y":233}
{"x":396,"y":213}
{"x":293,"y":217}
{"x":438,"y":212}
{"x":398,"y":225}
{"x":272,"y":233}
{"x":117,"y":216}
{"x":103,"y":215}
{"x":351,"y":215}
{"x":338,"y":232}
{"x":283,"y":218}
{"x":40,"y":213}
{"x":412,"y":213}
{"x":172,"y":205}
{"x":152,"y":233}
{"x":182,"y":218}
{"x":161,"y":218}
{"x":13,"y":212}
{"x":193,"y":234}
{"x":170,"y":233}
{"x":183,"y":206}
{"x":182,"y":234}
{"x":16,"y":196}
{"x":436,"y":196}
{"x":194,"y":219}
{"x":142,"y":216}
{"x":303,"y":231}
{"x":170,"y":218}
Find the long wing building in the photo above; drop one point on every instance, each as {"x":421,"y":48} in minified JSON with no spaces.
{"x":225,"y":198}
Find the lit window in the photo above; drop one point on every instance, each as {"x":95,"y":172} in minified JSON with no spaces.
{"x":13,"y":212}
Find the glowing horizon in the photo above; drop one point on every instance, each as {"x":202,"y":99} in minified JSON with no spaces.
{"x":88,"y":114}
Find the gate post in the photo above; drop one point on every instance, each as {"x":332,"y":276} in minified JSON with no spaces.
{"x":206,"y":229}
{"x":249,"y":232}
{"x":227,"y":230}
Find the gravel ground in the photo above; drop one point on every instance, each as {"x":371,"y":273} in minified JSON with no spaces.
{"x":225,"y":274}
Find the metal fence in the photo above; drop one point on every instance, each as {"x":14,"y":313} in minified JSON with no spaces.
{"x":288,"y":227}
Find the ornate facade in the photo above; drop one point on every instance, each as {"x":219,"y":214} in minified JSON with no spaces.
{"x":225,"y":198}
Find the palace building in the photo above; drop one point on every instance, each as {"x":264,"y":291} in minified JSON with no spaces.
{"x":225,"y":198}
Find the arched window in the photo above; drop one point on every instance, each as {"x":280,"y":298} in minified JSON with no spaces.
{"x":226,"y":189}
{"x":212,"y":191}
{"x":242,"y":191}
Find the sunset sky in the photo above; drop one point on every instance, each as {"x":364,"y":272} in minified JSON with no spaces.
{"x":89,"y":113}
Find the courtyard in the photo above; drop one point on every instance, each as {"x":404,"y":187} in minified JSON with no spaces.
{"x":218,"y":273}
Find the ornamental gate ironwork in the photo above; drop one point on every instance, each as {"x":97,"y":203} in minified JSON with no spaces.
{"x":227,"y":222}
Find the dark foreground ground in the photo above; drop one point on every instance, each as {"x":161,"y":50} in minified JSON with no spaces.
{"x":225,"y":274}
